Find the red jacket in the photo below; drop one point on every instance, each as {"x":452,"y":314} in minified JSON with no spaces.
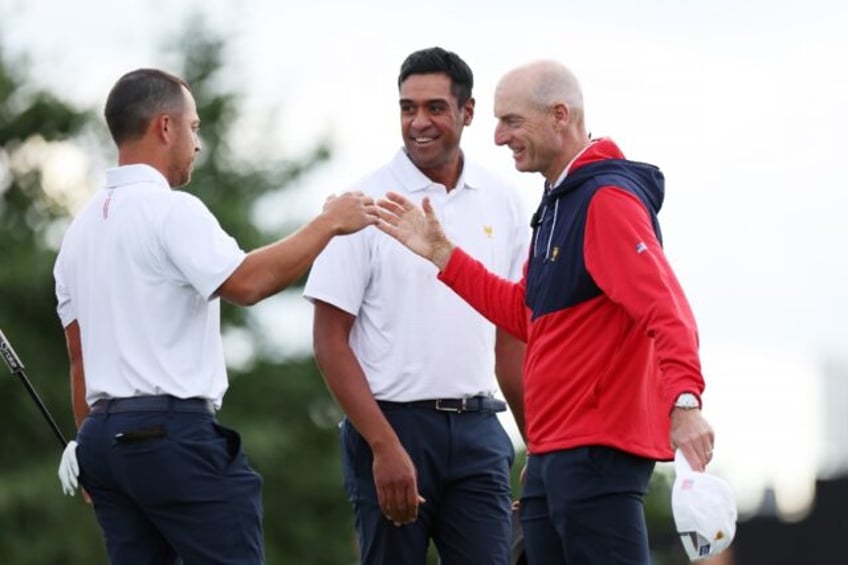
{"x":611,"y":340}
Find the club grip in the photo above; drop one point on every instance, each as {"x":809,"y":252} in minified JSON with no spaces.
{"x":9,"y":356}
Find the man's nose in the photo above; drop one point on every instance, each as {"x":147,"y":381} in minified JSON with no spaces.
{"x":501,"y":137}
{"x":421,"y":119}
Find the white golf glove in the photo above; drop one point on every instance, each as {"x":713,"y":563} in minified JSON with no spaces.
{"x":69,"y":469}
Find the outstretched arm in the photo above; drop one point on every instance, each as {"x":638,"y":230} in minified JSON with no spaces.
{"x":416,"y":228}
{"x":270,"y":269}
{"x":501,"y":301}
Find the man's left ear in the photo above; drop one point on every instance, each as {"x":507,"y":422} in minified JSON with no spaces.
{"x":562,"y":113}
{"x":161,"y":127}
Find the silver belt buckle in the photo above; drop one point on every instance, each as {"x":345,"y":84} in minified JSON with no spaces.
{"x":459,"y":410}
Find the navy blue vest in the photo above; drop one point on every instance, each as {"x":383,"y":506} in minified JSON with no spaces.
{"x":557,"y":277}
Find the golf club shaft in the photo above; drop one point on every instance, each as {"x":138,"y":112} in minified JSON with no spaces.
{"x":17,"y":368}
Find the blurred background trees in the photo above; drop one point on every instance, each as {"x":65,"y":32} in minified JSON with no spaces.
{"x":38,"y":526}
{"x":282,"y":409}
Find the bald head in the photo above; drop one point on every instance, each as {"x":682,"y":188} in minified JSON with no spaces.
{"x":539,"y":107}
{"x":544,"y":84}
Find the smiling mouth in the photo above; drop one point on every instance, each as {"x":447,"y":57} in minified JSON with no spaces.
{"x":423,"y":140}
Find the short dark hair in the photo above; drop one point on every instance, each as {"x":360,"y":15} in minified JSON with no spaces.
{"x":137,"y":97}
{"x":438,"y":60}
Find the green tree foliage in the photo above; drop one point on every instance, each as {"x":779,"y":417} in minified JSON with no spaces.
{"x":38,"y":526}
{"x":283,"y":411}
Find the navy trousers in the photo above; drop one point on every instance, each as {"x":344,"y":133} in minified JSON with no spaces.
{"x":171,"y":487}
{"x":583,"y":506}
{"x":463,"y":463}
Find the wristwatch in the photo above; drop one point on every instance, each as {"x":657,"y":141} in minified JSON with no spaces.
{"x":687,"y":401}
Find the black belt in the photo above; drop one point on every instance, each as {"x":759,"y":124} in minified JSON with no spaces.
{"x":162,"y":403}
{"x":458,"y":405}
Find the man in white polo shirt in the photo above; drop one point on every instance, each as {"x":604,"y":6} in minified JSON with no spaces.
{"x":424,"y":454}
{"x":138,"y":281}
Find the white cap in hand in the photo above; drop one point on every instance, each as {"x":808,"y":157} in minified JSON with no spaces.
{"x":704,"y":510}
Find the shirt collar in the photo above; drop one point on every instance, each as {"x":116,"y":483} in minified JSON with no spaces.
{"x":134,"y":174}
{"x":564,"y":173}
{"x":413,"y":180}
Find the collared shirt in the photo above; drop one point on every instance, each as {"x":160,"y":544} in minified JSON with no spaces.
{"x":567,"y":168}
{"x":414,"y":338}
{"x":137,"y":270}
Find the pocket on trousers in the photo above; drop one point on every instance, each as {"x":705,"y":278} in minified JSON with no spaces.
{"x":233,"y":439}
{"x":140,"y":435}
{"x":351,"y":444}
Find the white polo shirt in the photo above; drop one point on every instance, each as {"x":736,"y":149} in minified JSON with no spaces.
{"x":414,"y":338}
{"x":137,"y":269}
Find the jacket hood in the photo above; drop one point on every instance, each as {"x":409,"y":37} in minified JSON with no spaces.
{"x":602,"y":158}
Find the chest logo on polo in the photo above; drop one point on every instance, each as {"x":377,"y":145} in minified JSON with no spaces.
{"x":489,"y":231}
{"x":554,"y":253}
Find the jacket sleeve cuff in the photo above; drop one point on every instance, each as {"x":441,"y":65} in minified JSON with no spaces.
{"x":454,"y":266}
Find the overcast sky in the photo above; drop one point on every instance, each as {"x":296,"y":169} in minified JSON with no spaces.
{"x":741,"y":104}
